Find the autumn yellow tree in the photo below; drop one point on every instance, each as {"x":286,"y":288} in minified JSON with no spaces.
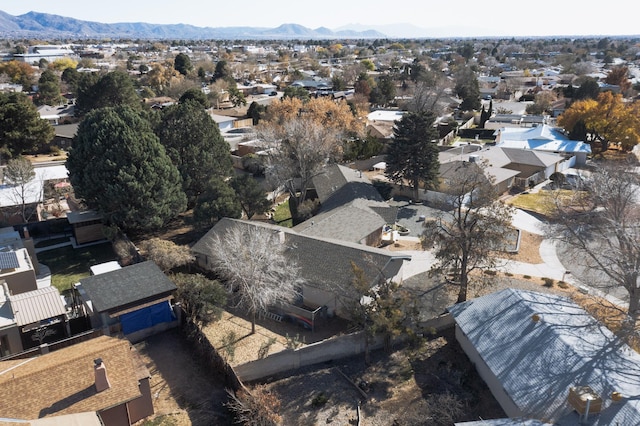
{"x":301,"y":138}
{"x":606,"y":120}
{"x":62,"y":64}
{"x":619,"y":77}
{"x":161,"y":76}
{"x":324,"y":111}
{"x":19,"y":72}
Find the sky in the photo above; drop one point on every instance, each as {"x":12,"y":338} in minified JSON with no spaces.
{"x":462,"y":18}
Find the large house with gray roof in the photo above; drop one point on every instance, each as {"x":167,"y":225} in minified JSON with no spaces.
{"x":544,"y":357}
{"x":506,"y":167}
{"x":352,"y":209}
{"x":325,"y":264}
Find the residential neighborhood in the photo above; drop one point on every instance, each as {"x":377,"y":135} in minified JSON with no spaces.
{"x":363,"y":231}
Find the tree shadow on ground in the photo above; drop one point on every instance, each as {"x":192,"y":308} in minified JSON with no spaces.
{"x":181,"y":380}
{"x":443,"y":368}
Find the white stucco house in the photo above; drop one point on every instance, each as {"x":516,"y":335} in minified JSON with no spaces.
{"x":544,"y":138}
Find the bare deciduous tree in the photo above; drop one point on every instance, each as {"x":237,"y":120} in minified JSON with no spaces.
{"x":600,"y":232}
{"x":19,"y":173}
{"x":384,"y":309}
{"x":427,"y":96}
{"x":297,"y":151}
{"x":473,"y":225}
{"x":253,"y":264}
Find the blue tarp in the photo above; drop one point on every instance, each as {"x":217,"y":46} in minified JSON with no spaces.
{"x":146,"y":317}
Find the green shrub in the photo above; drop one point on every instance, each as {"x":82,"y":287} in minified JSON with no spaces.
{"x":490,"y":272}
{"x":264,"y":348}
{"x":229,"y":345}
{"x":526,"y":277}
{"x":293,"y":342}
{"x":319,"y":400}
{"x":548,"y":282}
{"x":563,"y":285}
{"x":508,"y":274}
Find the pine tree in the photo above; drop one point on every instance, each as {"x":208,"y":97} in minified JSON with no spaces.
{"x":119,"y":168}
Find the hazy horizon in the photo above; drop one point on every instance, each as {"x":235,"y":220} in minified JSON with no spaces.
{"x":416,"y":18}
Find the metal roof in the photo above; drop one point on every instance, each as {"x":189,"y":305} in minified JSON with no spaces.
{"x":536,"y":362}
{"x":542,"y":138}
{"x":37,"y":305}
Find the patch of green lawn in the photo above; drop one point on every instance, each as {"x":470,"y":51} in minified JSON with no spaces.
{"x":282,"y":215}
{"x":69,"y":265}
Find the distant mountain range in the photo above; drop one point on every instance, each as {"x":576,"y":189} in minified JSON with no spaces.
{"x":43,"y":25}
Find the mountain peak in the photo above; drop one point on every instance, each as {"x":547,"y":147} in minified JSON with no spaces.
{"x":37,"y":24}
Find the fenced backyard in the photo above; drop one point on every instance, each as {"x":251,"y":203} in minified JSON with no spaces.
{"x":68,"y":265}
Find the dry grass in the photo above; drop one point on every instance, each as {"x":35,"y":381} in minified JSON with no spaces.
{"x":612,"y":316}
{"x":43,"y":158}
{"x":244,"y":346}
{"x":546,"y":202}
{"x":529,"y":250}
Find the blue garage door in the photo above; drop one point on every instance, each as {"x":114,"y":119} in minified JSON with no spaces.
{"x":146,"y":317}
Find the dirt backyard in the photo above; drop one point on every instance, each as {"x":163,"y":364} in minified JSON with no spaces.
{"x":184,"y":392}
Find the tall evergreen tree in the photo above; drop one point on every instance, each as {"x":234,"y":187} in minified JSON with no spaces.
{"x":21,"y":128}
{"x":468,"y":89}
{"x":182,"y":63}
{"x":412,"y":156}
{"x":217,"y":201}
{"x":111,"y":89}
{"x":48,"y":89}
{"x":119,"y":168}
{"x":193,"y":142}
{"x":252,"y":197}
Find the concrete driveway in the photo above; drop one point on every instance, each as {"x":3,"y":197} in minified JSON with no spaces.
{"x":412,"y":216}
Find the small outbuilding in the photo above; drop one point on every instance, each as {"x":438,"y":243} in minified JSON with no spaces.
{"x":87,"y":226}
{"x":134,"y":300}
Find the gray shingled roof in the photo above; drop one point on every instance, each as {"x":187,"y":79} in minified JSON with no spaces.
{"x":537,"y":362}
{"x":351,"y":222}
{"x":351,"y":207}
{"x":339,"y":185}
{"x":126,"y":287}
{"x":324,"y":263}
{"x":348,"y":223}
{"x":532,"y":158}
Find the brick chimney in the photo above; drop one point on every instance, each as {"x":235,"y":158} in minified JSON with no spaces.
{"x":102,"y":381}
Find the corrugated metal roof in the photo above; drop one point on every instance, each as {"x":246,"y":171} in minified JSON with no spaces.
{"x":542,"y":138}
{"x":537,"y":362}
{"x":9,"y":260}
{"x":37,"y":305}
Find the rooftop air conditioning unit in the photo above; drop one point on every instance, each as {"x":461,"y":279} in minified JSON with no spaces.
{"x":584,"y":400}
